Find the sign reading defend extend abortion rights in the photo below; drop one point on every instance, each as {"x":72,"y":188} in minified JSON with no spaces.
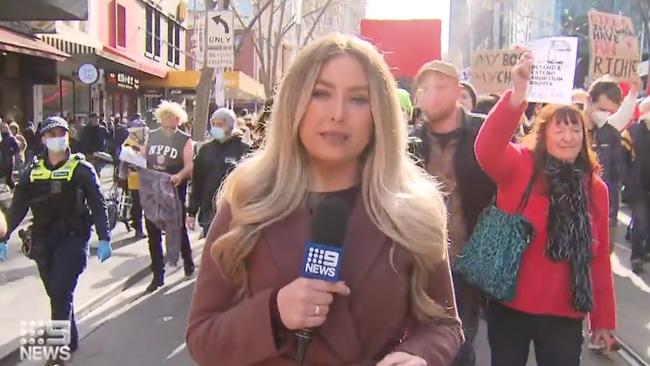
{"x":491,"y":70}
{"x":614,"y":46}
{"x":554,"y":69}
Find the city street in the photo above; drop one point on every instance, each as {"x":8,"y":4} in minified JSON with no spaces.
{"x":307,"y":118}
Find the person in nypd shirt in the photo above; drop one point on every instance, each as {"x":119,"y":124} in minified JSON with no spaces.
{"x":337,"y":131}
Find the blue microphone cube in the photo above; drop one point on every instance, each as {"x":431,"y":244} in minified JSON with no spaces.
{"x":322,"y":262}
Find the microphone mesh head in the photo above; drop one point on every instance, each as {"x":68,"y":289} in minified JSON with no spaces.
{"x":330,"y":221}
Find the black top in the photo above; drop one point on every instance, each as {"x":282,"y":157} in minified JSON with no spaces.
{"x":165,"y":153}
{"x":212,"y":165}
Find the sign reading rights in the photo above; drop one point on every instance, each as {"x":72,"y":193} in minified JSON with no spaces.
{"x":491,"y":70}
{"x":614,"y":46}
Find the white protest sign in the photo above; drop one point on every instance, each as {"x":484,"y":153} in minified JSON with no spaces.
{"x":554,"y":69}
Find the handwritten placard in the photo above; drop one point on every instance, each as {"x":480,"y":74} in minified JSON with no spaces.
{"x":554,"y":69}
{"x":491,"y":70}
{"x":614,"y":46}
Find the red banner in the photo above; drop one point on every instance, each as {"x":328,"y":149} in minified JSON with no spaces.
{"x":406,"y":44}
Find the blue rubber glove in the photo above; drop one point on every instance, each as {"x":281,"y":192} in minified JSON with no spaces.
{"x":3,"y":251}
{"x":104,"y":251}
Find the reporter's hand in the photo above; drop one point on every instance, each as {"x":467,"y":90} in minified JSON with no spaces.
{"x":402,"y":359}
{"x":304,"y":303}
{"x":521,"y":75}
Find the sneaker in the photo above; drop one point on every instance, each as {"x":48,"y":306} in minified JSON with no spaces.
{"x":139,"y":235}
{"x":156,"y":282}
{"x":637,"y":266}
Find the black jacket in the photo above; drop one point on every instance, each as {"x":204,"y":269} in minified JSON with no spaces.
{"x":476,"y":188}
{"x":92,"y":205}
{"x":93,"y":139}
{"x":211,"y":165}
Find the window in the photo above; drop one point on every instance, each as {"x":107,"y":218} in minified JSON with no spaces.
{"x":121,"y":26}
{"x":171,"y":42}
{"x":177,"y":49}
{"x":153,"y":40}
{"x":157,"y":34}
{"x":149,"y":33}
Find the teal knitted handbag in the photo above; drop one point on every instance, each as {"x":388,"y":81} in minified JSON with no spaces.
{"x":492,"y":256}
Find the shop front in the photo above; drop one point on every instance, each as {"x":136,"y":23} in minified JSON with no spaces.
{"x":121,"y":93}
{"x":25,"y":62}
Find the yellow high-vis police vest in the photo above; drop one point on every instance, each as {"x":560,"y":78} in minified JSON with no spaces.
{"x":65,"y":172}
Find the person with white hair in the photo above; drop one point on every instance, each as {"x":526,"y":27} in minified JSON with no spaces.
{"x":215,"y":160}
{"x":169,"y":150}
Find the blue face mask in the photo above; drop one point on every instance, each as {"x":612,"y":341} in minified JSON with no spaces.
{"x":218,"y":133}
{"x":56,"y":144}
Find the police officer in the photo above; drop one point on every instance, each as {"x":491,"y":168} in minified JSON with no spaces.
{"x":63,"y":193}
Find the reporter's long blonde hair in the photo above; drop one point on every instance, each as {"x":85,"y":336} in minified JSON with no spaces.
{"x":400,"y":198}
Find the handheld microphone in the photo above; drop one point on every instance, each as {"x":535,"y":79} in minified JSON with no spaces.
{"x":323,"y":253}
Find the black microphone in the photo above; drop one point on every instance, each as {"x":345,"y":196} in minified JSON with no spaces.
{"x":323,"y":253}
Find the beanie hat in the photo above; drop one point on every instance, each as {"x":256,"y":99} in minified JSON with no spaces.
{"x":225,"y":115}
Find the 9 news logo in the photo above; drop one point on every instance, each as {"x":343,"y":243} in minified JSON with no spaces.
{"x":45,"y":340}
{"x":322,"y":262}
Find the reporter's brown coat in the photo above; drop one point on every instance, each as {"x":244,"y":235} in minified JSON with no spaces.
{"x":359,"y":330}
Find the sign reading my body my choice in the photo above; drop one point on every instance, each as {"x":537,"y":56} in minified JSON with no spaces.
{"x":123,"y":81}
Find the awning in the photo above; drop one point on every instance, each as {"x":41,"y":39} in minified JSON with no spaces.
{"x":81,"y":45}
{"x":43,"y":10}
{"x":120,"y":57}
{"x":175,"y":79}
{"x":238,"y":85}
{"x":242,"y":87}
{"x":29,"y":45}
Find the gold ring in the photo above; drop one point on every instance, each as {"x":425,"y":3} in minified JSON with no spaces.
{"x":317,"y":312}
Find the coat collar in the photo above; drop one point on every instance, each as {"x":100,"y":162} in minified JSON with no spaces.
{"x":363,"y":242}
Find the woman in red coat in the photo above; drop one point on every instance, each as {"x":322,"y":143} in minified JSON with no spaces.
{"x":565,"y":272}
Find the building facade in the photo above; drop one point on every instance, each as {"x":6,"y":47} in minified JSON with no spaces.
{"x":122,"y":44}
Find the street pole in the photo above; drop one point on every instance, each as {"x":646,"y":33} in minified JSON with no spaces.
{"x":206,"y":80}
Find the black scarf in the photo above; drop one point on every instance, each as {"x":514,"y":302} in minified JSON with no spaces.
{"x":569,"y":227}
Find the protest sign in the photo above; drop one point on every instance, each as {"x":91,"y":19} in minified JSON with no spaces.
{"x":491,"y":70}
{"x":554,"y":69}
{"x":614,"y":46}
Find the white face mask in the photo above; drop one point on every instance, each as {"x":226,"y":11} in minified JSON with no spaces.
{"x":599,"y":118}
{"x":56,"y":144}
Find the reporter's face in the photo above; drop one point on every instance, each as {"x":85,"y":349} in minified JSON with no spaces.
{"x":338,"y":123}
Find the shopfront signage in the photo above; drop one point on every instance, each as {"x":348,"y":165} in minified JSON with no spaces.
{"x":154,"y":93}
{"x":88,"y":73}
{"x":181,"y":92}
{"x":122,"y":81}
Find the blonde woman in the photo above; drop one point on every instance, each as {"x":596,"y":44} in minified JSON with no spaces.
{"x":169,"y":150}
{"x":336,"y":130}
